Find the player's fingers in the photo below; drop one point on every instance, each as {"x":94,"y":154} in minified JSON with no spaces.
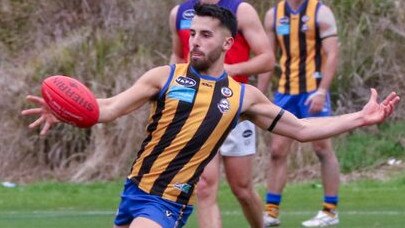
{"x":32,"y":111}
{"x":389,"y":98}
{"x":374,"y":95}
{"x":36,"y":122}
{"x":35,"y":99}
{"x":45,"y":129}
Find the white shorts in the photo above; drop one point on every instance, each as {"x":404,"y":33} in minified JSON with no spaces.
{"x":241,"y":141}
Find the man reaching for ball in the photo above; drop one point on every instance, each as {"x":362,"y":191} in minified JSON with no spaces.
{"x":194,"y":106}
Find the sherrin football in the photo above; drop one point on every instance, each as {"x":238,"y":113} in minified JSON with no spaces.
{"x":70,"y":101}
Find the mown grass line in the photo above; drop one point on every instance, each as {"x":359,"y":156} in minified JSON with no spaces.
{"x":363,"y":204}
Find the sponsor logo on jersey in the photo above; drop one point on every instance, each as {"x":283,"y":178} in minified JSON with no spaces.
{"x":207,"y":84}
{"x":284,"y":20}
{"x":188,"y":14}
{"x":182,"y":93}
{"x":183,"y":187}
{"x":227,"y":92}
{"x":224,"y":105}
{"x":184,"y":81}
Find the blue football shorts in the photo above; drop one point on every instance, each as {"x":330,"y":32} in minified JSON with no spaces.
{"x":137,"y":203}
{"x":296,"y":104}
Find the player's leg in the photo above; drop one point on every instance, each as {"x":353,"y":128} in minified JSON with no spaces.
{"x":208,"y":213}
{"x":144,"y":222}
{"x":277,"y":168}
{"x":329,"y":169}
{"x":276,"y":177}
{"x":239,"y":175}
{"x":330,"y":181}
{"x":238,"y":153}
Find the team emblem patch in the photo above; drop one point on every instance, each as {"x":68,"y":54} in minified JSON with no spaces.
{"x":224,"y":105}
{"x":305,"y":18}
{"x":227,"y":92}
{"x":304,"y":28}
{"x":184,"y":81}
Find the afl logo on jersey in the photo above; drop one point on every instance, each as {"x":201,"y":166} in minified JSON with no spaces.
{"x":188,"y":14}
{"x":184,"y":81}
{"x":227,"y":92}
{"x":224,"y":105}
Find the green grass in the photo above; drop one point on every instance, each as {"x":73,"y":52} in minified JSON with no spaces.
{"x":366,"y":149}
{"x":363,"y":204}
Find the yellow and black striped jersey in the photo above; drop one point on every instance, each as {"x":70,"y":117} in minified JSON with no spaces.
{"x":189,"y":120}
{"x":298,"y":37}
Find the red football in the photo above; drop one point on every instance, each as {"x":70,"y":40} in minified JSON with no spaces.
{"x":70,"y":101}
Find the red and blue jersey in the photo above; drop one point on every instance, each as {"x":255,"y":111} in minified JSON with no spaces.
{"x":238,"y":53}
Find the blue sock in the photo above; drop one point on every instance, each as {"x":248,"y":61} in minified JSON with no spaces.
{"x":331,"y":199}
{"x":273,"y":198}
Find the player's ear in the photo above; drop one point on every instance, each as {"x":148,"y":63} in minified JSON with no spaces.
{"x":228,"y":43}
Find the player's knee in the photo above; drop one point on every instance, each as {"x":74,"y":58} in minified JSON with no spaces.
{"x":277,"y":152}
{"x":324,"y":153}
{"x":243,"y":192}
{"x":205,"y":191}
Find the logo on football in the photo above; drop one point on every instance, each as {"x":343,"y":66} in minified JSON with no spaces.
{"x":70,"y":101}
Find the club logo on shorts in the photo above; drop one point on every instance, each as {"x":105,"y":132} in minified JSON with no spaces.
{"x":184,"y":81}
{"x":224,"y":105}
{"x":188,"y":14}
{"x":168,"y":213}
{"x":247,"y":133}
{"x":183,"y":187}
{"x":227,"y":92}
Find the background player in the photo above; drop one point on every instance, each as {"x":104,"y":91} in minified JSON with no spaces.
{"x":305,"y":32}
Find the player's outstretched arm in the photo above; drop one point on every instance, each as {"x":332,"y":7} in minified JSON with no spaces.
{"x":123,"y":103}
{"x":146,"y":87}
{"x":263,"y":113}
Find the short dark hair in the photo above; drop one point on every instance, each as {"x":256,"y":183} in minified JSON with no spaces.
{"x":226,"y":17}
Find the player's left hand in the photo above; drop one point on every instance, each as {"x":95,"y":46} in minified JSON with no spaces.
{"x":374,"y":112}
{"x":46,"y":117}
{"x":316,"y":102}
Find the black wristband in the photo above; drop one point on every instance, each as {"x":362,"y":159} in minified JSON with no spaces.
{"x":278,"y":117}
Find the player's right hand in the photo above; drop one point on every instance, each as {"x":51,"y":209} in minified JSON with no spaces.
{"x":46,"y":117}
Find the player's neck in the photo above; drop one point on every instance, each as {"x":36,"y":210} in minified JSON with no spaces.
{"x":216,"y":70}
{"x":295,"y":4}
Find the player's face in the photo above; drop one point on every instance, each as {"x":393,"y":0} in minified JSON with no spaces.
{"x":208,"y":41}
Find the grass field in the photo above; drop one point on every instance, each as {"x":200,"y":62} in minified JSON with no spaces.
{"x":363,"y":204}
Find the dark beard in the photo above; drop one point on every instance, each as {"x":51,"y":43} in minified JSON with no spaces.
{"x":204,"y":65}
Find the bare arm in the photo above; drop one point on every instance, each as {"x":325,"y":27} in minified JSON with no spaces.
{"x":263,"y":80}
{"x":249,"y":24}
{"x":123,"y":103}
{"x":262,"y":112}
{"x":147,"y":86}
{"x":177,"y":55}
{"x":330,"y":48}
